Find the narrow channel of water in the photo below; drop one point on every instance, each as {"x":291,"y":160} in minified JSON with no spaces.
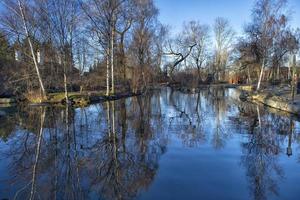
{"x":163,"y":145}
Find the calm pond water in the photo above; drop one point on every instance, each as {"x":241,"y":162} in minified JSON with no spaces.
{"x":163,"y":145}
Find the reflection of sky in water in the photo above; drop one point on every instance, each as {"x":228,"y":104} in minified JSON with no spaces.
{"x":167,"y":145}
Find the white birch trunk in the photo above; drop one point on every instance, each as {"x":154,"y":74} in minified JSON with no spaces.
{"x":112,"y":57}
{"x":66,"y":86}
{"x":44,"y":94}
{"x":108,"y":118}
{"x":107,"y":72}
{"x":37,"y":155}
{"x":261,"y":75}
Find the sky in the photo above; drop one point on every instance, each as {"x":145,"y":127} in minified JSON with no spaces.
{"x":238,"y":12}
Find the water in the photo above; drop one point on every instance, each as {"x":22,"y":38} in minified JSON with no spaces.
{"x":164,"y":145}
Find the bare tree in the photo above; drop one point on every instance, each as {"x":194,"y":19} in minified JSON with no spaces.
{"x":182,"y":52}
{"x":181,"y":46}
{"x":99,"y":27}
{"x":143,"y":34}
{"x":104,"y":17}
{"x":123,"y":27}
{"x":159,"y":41}
{"x":82,"y":51}
{"x":224,"y":37}
{"x":199,"y":35}
{"x":268,"y":22}
{"x":22,"y":21}
{"x":63,"y":18}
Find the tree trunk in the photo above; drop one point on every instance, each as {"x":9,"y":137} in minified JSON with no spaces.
{"x":289,"y":72}
{"x":108,"y":118}
{"x":37,"y":154}
{"x":261,"y":75}
{"x":249,"y":76}
{"x":122,"y":56}
{"x":293,"y":83}
{"x":278,"y":72}
{"x":258,"y":116}
{"x":112,"y":57}
{"x":44,"y":94}
{"x":199,"y":75}
{"x":66,"y":85}
{"x":107,"y":73}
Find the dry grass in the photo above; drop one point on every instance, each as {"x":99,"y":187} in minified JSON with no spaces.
{"x":34,"y":97}
{"x":78,"y":99}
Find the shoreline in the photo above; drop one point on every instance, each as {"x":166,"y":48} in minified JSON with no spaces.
{"x":276,"y":98}
{"x":77,"y":99}
{"x":89,"y":97}
{"x":186,"y":89}
{"x":271,"y":98}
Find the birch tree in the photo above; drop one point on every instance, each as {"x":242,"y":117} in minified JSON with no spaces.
{"x":20,"y":20}
{"x":100,"y":29}
{"x":266,"y":17}
{"x":103,"y":17}
{"x":63,"y":17}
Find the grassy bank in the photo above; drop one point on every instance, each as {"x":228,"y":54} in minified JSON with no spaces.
{"x":77,"y":99}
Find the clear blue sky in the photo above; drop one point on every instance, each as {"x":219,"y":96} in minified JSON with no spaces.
{"x":175,"y":12}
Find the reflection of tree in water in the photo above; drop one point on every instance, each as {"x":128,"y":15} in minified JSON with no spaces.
{"x":194,"y":111}
{"x":188,"y":119}
{"x":62,"y":158}
{"x":218,"y":101}
{"x":260,"y":157}
{"x":41,"y":154}
{"x":113,"y":149}
{"x":125,"y":166}
{"x":7,"y":128}
{"x":267,"y":132}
